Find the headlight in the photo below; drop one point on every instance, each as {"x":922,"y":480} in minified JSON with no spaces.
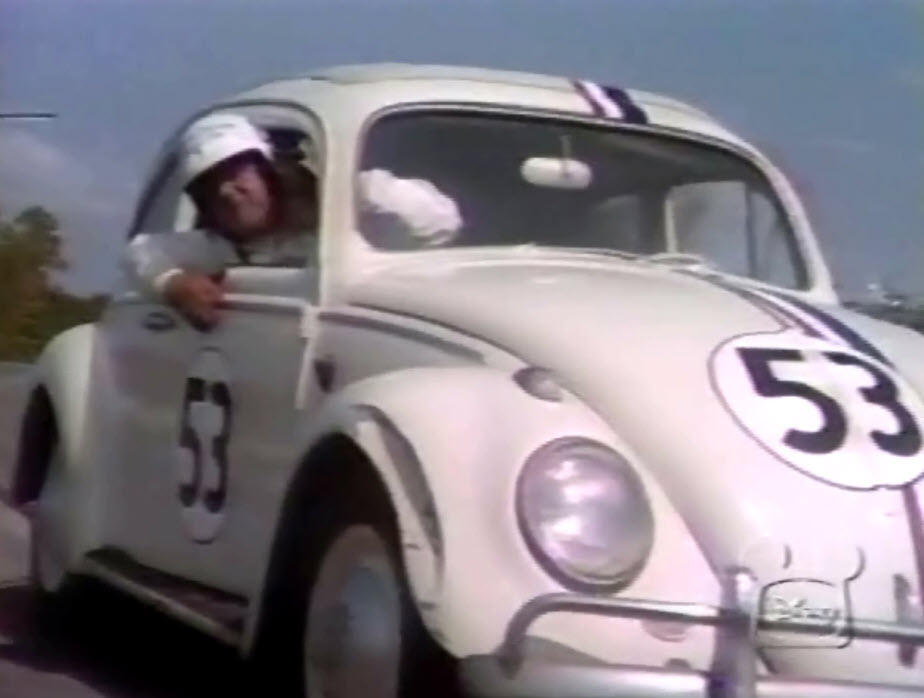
{"x":584,"y":514}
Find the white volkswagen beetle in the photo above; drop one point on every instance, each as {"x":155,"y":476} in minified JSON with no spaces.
{"x":614,"y":438}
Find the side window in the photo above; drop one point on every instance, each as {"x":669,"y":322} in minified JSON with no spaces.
{"x":296,"y":162}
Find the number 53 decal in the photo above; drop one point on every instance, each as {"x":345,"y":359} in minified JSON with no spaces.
{"x":823,"y":408}
{"x":202,"y":446}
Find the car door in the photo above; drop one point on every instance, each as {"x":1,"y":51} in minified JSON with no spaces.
{"x":239,"y":411}
{"x":245,"y":388}
{"x":149,"y":348}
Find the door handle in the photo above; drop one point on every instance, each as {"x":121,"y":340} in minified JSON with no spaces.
{"x":159,"y":321}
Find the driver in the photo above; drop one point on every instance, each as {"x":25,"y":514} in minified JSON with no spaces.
{"x":251,"y":209}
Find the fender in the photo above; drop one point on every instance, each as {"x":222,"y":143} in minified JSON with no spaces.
{"x":68,"y":371}
{"x":420,"y":428}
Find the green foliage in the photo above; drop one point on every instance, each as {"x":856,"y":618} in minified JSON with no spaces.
{"x":33,"y":309}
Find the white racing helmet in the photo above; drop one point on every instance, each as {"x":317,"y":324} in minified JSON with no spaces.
{"x":215,"y":138}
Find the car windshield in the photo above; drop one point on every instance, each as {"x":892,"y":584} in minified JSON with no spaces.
{"x":566,"y":184}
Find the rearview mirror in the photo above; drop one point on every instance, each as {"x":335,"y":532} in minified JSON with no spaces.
{"x":556,"y":173}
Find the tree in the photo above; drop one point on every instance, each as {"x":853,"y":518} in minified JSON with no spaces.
{"x":32,"y":307}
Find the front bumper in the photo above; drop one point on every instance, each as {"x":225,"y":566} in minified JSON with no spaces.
{"x":733,"y":674}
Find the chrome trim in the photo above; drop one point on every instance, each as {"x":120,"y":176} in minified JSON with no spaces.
{"x":263,"y":304}
{"x":160,"y":602}
{"x":413,"y":480}
{"x":449,"y":327}
{"x":408,"y":333}
{"x":733,"y":671}
{"x":159,"y":321}
{"x":285,"y":305}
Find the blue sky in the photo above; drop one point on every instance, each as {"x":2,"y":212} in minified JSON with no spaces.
{"x":832,"y":90}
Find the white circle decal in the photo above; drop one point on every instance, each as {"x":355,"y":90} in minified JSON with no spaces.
{"x":202,"y":448}
{"x":826,"y":409}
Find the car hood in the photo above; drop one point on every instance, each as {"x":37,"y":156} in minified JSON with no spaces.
{"x":657,"y":353}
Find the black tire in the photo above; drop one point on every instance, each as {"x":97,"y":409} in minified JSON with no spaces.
{"x":52,"y":609}
{"x":356,"y":519}
{"x":41,"y":595}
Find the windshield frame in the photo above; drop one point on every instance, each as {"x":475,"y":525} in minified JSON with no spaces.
{"x":806,"y":272}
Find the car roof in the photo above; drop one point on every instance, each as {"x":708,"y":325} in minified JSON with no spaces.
{"x":358,"y":74}
{"x":374,"y":86}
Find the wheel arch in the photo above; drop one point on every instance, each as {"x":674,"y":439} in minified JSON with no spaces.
{"x":64,"y":409}
{"x":414,"y":429}
{"x":61,"y":379}
{"x":38,"y":431}
{"x":335,"y":464}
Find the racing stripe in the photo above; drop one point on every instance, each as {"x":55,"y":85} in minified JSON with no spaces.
{"x":597,"y":99}
{"x":783,"y":305}
{"x":794,"y":312}
{"x":632,"y":111}
{"x":848,"y":335}
{"x":835,"y":327}
{"x":611,"y":102}
{"x":784,"y":317}
{"x":787,"y":317}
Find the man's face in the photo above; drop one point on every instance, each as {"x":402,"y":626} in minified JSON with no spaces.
{"x":239,"y":198}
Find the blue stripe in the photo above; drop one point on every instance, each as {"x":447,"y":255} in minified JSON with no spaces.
{"x":632,"y":112}
{"x":777,"y":306}
{"x":846,"y":333}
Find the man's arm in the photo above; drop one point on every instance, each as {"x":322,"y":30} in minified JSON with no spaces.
{"x":150,"y":262}
{"x":176,"y":268}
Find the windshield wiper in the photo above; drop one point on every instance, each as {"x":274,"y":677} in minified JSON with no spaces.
{"x":681,"y":258}
{"x":667,"y":258}
{"x":533,"y":247}
{"x":602,"y":251}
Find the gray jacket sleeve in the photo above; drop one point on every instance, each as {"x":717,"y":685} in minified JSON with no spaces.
{"x":151,"y":259}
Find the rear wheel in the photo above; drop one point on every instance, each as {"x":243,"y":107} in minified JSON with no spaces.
{"x":59,"y":599}
{"x":47,"y":575}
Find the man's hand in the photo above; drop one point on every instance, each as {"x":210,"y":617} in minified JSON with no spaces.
{"x":196,"y":296}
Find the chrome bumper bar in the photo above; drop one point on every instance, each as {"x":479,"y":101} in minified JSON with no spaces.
{"x":733,"y":673}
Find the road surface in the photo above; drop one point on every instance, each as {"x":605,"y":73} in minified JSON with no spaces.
{"x":104,"y":645}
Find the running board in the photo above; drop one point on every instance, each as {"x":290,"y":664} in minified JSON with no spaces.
{"x":209,"y":610}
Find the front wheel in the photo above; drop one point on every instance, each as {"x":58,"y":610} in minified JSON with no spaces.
{"x":354,"y":639}
{"x":342,"y":622}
